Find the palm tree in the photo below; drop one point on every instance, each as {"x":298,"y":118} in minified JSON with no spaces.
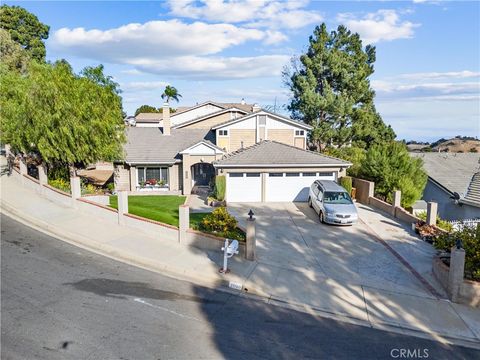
{"x":170,"y":93}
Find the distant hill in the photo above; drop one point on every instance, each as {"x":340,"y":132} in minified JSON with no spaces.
{"x":458,"y":144}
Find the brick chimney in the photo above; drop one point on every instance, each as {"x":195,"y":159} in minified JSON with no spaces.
{"x":166,"y":118}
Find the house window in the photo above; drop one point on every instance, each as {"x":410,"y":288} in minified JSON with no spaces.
{"x":292,"y":174}
{"x":223,"y":132}
{"x":299,"y":132}
{"x":262,"y":120}
{"x":275,"y":174}
{"x":309,"y":174}
{"x":236,"y":174}
{"x":253,"y":174}
{"x":152,"y":176}
{"x":325,"y":174}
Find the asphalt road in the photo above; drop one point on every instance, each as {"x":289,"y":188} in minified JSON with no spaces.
{"x":62,"y":302}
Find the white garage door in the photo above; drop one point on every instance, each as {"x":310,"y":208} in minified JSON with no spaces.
{"x":292,"y":186}
{"x":244,"y":187}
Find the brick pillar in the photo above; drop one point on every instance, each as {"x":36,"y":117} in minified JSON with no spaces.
{"x":455,"y":275}
{"x":122,"y":197}
{"x":251,"y":242}
{"x":75,"y":189}
{"x":42,"y":177}
{"x":432,"y":213}
{"x":184,"y":222}
{"x":397,"y":197}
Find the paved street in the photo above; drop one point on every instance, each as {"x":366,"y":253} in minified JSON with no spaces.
{"x":61,"y":302}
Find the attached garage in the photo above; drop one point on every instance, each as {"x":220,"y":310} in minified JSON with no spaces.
{"x":292,"y":186}
{"x":274,"y":172}
{"x":244,"y":187}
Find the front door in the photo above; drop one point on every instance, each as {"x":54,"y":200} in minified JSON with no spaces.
{"x":202,"y":174}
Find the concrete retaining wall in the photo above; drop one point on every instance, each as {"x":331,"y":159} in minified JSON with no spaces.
{"x":405,"y":216}
{"x":208,"y":242}
{"x":469,"y":290}
{"x":99,"y":199}
{"x":381,"y":205}
{"x":99,"y":211}
{"x":57,"y":196}
{"x":151,"y":227}
{"x":364,"y":189}
{"x":32,"y":183}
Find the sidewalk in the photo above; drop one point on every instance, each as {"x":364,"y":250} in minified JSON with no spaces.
{"x":303,"y":289}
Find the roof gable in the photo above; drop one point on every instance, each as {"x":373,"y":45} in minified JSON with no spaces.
{"x":264,"y":112}
{"x":203,"y":148}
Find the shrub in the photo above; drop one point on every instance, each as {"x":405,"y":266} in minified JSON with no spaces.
{"x":89,"y":189}
{"x":346,"y":182}
{"x":219,"y":221}
{"x":220,"y":186}
{"x":111,"y":187}
{"x":391,"y":167}
{"x":60,"y":184}
{"x":442,"y":224}
{"x":470,"y":237}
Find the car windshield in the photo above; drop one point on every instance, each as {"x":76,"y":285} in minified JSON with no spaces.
{"x":336,"y":197}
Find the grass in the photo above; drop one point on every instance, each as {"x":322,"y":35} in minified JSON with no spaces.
{"x":162,"y":208}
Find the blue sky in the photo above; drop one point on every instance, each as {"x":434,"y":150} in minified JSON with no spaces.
{"x":427,"y":76}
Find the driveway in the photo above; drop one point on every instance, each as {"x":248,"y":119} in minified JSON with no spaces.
{"x":289,"y":235}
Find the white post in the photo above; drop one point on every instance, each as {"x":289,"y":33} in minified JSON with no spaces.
{"x":184,"y":222}
{"x":42,"y":177}
{"x":455,"y":275}
{"x":432,"y":208}
{"x":122,"y":197}
{"x":225,"y":257}
{"x":23,"y":169}
{"x":75,"y":189}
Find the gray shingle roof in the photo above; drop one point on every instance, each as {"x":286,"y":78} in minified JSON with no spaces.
{"x":271,"y":153}
{"x":149,"y":117}
{"x":473,"y":193}
{"x":149,"y":145}
{"x":453,"y":171}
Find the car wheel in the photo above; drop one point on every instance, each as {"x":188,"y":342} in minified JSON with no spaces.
{"x":320,"y":216}
{"x":310,"y":202}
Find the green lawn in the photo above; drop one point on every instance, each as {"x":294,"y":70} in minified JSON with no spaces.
{"x":163,"y":208}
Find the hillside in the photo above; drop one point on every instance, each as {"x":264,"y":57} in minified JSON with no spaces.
{"x":458,"y":145}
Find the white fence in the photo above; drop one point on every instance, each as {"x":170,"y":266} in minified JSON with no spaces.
{"x":460,"y":224}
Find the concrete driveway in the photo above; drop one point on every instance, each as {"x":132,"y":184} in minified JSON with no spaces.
{"x":290,"y":236}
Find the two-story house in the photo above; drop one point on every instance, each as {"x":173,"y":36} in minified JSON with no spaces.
{"x":263,"y":155}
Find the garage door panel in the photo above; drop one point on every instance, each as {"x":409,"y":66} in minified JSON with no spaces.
{"x":292,"y":187}
{"x":243,"y":187}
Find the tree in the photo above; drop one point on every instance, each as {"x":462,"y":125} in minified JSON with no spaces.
{"x":331,"y":90}
{"x":14,"y":57}
{"x":25,"y":29}
{"x":146,"y":109}
{"x":170,"y":93}
{"x":60,"y":116}
{"x":391,"y":167}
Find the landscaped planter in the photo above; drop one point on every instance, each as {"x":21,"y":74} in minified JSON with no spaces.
{"x":215,"y":203}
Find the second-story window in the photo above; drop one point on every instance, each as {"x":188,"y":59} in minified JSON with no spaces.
{"x":223,"y":132}
{"x":299,"y":132}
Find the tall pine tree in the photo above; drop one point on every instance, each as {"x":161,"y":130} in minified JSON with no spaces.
{"x":331,"y":90}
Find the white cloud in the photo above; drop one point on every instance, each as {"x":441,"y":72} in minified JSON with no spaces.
{"x":153,"y":38}
{"x":383,"y":25}
{"x":143,"y":85}
{"x":205,"y":68}
{"x":441,"y":75}
{"x":258,"y":13}
{"x":174,"y":48}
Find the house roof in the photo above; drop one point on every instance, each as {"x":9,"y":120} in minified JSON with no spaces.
{"x":244,"y":107}
{"x":149,"y":117}
{"x":452,"y":171}
{"x":147,"y":145}
{"x":269,"y":153}
{"x":280,"y":117}
{"x":473,"y":193}
{"x":207,"y":116}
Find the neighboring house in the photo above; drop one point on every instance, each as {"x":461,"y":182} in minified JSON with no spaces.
{"x":185,"y":114}
{"x":262,"y":154}
{"x":454,"y":183}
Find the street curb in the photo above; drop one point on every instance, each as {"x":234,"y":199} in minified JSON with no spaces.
{"x":217,"y":284}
